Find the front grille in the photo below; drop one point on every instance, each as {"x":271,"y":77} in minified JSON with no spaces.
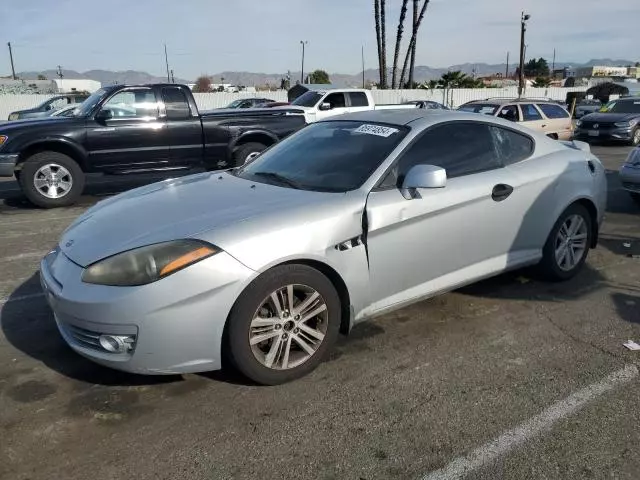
{"x":601,"y":125}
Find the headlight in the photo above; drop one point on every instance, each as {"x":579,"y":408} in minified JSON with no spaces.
{"x":147,"y":264}
{"x":578,"y":123}
{"x":629,"y":123}
{"x":13,"y":116}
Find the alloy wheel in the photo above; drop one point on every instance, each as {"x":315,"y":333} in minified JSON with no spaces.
{"x":53,"y":180}
{"x":571,"y":242}
{"x":288,"y":327}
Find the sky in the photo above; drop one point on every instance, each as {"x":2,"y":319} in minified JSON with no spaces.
{"x":210,"y":36}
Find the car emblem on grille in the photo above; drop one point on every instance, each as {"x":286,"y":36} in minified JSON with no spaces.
{"x":69,"y":243}
{"x":596,"y":125}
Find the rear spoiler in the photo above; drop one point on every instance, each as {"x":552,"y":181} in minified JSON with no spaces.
{"x":577,"y":145}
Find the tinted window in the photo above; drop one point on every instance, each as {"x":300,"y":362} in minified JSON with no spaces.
{"x":336,"y":100}
{"x":307,"y":99}
{"x":338,"y":156}
{"x":461,"y":148}
{"x":139,"y":103}
{"x":510,"y":112}
{"x":358,"y":99}
{"x":176,"y":103}
{"x":625,"y":106}
{"x":530,"y":113}
{"x":511,"y":146}
{"x":553,"y":111}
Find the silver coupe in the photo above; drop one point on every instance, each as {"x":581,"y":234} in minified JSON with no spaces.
{"x":352,"y":217}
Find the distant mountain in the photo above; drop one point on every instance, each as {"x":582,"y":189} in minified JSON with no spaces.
{"x":422,"y":73}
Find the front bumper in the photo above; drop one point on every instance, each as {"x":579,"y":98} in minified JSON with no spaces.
{"x":174,"y":325}
{"x":8,"y":163}
{"x":630,"y":178}
{"x":623,"y":134}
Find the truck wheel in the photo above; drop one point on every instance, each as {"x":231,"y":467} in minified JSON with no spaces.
{"x":51,"y":179}
{"x":248,"y":152}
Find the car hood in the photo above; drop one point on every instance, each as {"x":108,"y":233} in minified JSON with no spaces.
{"x":33,"y":122}
{"x":610,"y":117}
{"x":191,"y":206}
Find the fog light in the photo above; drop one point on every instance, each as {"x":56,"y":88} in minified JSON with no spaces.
{"x":116,"y":343}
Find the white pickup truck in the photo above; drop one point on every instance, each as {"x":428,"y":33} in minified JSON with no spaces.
{"x":320,"y":104}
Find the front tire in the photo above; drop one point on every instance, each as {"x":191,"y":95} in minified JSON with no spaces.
{"x":248,"y":152}
{"x":568,"y":244}
{"x":635,"y":137}
{"x":51,"y":179}
{"x":283,"y":324}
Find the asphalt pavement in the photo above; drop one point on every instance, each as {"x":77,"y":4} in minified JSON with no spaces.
{"x":511,"y":378}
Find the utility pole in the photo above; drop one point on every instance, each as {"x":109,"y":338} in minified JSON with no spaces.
{"x":60,"y":74}
{"x":166,"y":61}
{"x":13,"y":70}
{"x":362,"y":56}
{"x":173,"y":79}
{"x":553,"y":65}
{"x":303,"y":43}
{"x":523,"y":29}
{"x":506,"y":72}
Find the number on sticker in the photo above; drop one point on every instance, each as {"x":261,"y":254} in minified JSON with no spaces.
{"x":378,"y":130}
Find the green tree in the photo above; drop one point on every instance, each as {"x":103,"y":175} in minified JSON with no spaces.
{"x":319,"y":76}
{"x":203,"y":84}
{"x":537,"y":68}
{"x":457,"y":79}
{"x":541,"y":82}
{"x":41,"y":77}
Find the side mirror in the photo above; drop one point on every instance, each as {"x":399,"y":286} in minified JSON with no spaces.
{"x":325,"y":106}
{"x":104,"y":114}
{"x":423,"y":176}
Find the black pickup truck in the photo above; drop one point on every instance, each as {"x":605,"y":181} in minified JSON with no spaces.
{"x":133,"y":129}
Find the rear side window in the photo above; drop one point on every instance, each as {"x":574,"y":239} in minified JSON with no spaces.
{"x":512,"y":147}
{"x":358,"y":99}
{"x":336,"y":100}
{"x":176,"y":103}
{"x":553,"y":111}
{"x":530,"y":113}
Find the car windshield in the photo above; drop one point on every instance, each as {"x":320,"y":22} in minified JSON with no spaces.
{"x":626,"y":106}
{"x":333,"y":156}
{"x":235,"y":103}
{"x":85,"y":107}
{"x":307,"y":99}
{"x":486,"y":108}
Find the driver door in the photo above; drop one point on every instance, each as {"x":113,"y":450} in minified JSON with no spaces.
{"x":133,"y":138}
{"x":442,"y":237}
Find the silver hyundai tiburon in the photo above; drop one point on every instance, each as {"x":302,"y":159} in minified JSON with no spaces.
{"x":346,"y":219}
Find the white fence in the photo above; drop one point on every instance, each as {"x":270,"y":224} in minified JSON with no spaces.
{"x":207,"y":101}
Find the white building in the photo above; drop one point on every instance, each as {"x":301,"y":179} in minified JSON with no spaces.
{"x":68,"y":85}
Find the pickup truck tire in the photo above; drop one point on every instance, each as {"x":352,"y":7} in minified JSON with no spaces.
{"x":51,"y":179}
{"x":247,"y":152}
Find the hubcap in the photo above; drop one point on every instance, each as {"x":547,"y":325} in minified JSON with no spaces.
{"x":288,"y":327}
{"x":571,"y":242}
{"x":636,"y":137}
{"x":251,"y":156}
{"x":53,"y":180}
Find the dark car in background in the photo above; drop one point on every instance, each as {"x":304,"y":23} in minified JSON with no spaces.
{"x":249,"y":103}
{"x":427,"y":104}
{"x":48,"y":106}
{"x":587,"y":106}
{"x":123,"y":129}
{"x":618,"y":120}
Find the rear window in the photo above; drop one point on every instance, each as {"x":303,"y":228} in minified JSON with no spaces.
{"x":553,"y":111}
{"x":486,"y":108}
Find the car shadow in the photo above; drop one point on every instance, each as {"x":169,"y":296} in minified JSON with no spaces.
{"x":28,"y":324}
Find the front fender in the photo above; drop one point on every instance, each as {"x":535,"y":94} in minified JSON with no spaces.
{"x":77,"y":151}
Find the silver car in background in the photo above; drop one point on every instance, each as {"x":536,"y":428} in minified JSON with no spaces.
{"x":630,"y":174}
{"x":349,"y":218}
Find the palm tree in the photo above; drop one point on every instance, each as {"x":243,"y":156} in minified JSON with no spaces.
{"x":414,"y":36}
{"x":453,"y":79}
{"x":403,"y":13}
{"x":412,"y":62}
{"x":383,"y":40}
{"x":376,"y":7}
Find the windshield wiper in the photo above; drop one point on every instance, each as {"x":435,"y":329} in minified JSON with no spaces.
{"x":278,"y":178}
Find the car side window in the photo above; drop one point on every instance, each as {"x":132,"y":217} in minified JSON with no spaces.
{"x":530,"y":113}
{"x":509,"y":112}
{"x":336,"y":100}
{"x":461,"y":148}
{"x":512,"y":147}
{"x":553,"y":111}
{"x":176,"y":103}
{"x":137,"y":103}
{"x":358,"y":99}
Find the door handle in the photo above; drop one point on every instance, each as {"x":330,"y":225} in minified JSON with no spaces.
{"x":544,"y":125}
{"x":501,"y":191}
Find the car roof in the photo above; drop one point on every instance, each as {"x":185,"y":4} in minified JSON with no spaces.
{"x":417,"y":117}
{"x":502,"y":101}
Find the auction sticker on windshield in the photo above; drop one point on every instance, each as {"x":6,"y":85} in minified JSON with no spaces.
{"x":378,"y":130}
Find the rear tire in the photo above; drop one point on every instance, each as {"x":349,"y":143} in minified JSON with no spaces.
{"x":248,"y":152}
{"x":635,"y":137}
{"x":51,"y":179}
{"x":565,"y":252}
{"x":255,"y":315}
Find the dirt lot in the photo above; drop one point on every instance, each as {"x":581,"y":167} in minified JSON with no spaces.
{"x":510,"y":378}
